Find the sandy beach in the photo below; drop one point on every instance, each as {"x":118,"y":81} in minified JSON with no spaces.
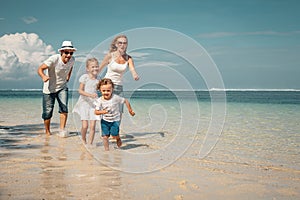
{"x":41,"y":167}
{"x":44,"y":167}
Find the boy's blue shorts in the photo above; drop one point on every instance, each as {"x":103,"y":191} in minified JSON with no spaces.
{"x":110,"y":128}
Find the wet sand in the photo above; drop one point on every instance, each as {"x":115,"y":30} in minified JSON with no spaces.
{"x":54,"y":168}
{"x":34,"y":166}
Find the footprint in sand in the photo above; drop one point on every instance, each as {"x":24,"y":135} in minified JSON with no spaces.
{"x":182,"y":184}
{"x":178,"y":197}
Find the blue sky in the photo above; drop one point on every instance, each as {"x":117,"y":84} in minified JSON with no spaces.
{"x":254,"y":44}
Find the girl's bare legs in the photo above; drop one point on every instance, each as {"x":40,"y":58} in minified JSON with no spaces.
{"x":92,"y":131}
{"x":105,"y":143}
{"x":84,"y":128}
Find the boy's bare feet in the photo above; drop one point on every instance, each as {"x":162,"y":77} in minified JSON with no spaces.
{"x":105,"y":144}
{"x":119,"y":142}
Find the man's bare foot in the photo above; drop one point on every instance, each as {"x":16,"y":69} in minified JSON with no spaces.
{"x":48,"y":133}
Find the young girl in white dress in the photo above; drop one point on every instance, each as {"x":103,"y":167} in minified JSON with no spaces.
{"x":85,"y":104}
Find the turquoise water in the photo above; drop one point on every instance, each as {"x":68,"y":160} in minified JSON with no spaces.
{"x":267,"y":97}
{"x":262,"y":128}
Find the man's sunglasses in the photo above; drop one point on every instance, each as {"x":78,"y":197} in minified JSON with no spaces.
{"x":67,"y":52}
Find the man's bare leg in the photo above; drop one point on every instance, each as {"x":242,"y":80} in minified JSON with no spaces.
{"x":63,"y":120}
{"x":47,"y":126}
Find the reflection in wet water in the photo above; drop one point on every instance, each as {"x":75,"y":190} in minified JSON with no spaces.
{"x":53,"y":173}
{"x":57,"y":168}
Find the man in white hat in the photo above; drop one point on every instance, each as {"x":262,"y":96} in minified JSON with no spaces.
{"x":58,"y":70}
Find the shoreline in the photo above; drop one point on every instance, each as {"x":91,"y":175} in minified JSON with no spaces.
{"x":50,"y":167}
{"x":35,"y":166}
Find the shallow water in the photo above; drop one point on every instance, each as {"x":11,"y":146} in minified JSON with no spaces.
{"x":258,"y":132}
{"x":257,"y":154}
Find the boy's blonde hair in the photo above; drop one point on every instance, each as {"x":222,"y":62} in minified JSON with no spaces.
{"x":105,"y":81}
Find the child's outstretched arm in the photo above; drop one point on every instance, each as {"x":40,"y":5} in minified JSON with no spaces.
{"x":100,"y":112}
{"x":132,"y":113}
{"x":84,"y":93}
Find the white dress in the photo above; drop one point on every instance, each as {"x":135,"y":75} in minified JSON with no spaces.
{"x":85,"y":105}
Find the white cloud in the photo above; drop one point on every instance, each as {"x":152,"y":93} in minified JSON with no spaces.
{"x":29,"y":19}
{"x":138,"y":55}
{"x":21,"y":54}
{"x":259,"y":33}
{"x":160,"y":63}
{"x":217,"y":34}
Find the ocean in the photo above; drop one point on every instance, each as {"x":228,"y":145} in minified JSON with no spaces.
{"x":237,"y":96}
{"x":251,"y":127}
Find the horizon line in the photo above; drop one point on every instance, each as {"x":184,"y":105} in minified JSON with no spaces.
{"x":179,"y":90}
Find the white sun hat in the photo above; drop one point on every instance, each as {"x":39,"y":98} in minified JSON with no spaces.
{"x":67,"y":45}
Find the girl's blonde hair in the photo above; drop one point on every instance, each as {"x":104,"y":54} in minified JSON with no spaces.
{"x":89,"y":60}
